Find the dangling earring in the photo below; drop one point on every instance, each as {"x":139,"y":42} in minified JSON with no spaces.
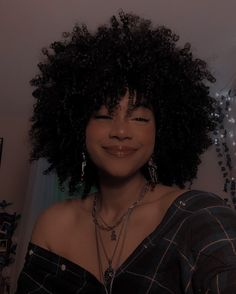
{"x":83,"y":168}
{"x":152,"y":168}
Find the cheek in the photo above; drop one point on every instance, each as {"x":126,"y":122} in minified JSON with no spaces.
{"x":93,"y":134}
{"x":149,"y":136}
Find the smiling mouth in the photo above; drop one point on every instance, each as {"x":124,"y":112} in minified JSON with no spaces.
{"x":120,"y":151}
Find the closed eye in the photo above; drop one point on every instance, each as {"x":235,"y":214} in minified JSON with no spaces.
{"x":141,"y":119}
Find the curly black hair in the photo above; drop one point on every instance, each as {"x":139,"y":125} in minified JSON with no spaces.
{"x":88,"y":69}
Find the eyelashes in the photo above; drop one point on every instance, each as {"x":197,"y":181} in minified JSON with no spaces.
{"x":141,"y":119}
{"x":107,"y":117}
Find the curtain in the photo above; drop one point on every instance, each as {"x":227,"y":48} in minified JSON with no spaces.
{"x":42,"y":191}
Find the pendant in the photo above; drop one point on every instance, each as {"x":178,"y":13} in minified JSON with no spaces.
{"x":108,"y":275}
{"x":113,"y":235}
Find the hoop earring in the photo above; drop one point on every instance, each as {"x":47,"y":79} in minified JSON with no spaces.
{"x":152,"y":168}
{"x":84,"y":163}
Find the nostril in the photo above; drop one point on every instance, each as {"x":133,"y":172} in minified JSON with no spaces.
{"x":120,"y":130}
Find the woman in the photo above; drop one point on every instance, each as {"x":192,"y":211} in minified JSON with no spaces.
{"x":125,"y":110}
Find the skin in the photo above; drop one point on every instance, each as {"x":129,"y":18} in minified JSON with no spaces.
{"x":73,"y":235}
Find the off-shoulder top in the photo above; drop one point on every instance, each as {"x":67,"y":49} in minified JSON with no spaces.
{"x":193,"y":250}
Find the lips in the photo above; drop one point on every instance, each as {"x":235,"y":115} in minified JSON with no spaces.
{"x":120,"y":151}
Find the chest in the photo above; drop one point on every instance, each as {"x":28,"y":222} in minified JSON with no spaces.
{"x":152,"y":267}
{"x":95,"y":250}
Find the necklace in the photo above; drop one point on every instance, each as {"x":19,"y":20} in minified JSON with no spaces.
{"x":104,"y":226}
{"x":109,"y":273}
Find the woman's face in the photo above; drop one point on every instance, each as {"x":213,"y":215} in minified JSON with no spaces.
{"x":121,"y":143}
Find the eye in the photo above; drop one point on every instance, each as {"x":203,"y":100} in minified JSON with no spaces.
{"x":142,"y":119}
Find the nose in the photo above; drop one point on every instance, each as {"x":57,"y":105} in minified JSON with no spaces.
{"x":120,"y":130}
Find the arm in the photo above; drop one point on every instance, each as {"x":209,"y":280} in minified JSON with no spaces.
{"x":40,"y":261}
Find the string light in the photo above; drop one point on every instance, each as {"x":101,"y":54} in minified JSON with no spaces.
{"x":224,"y":140}
{"x":231,"y":134}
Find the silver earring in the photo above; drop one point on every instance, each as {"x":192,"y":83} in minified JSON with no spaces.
{"x":83,"y":167}
{"x":152,"y":168}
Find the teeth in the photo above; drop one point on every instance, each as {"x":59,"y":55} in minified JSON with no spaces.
{"x":122,"y":154}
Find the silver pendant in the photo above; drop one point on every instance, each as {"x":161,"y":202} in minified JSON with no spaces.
{"x":108,"y":275}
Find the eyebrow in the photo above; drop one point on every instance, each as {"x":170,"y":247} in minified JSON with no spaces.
{"x":131,"y":108}
{"x":134,"y":107}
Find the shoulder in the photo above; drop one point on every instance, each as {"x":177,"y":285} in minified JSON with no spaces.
{"x":206,"y":209}
{"x":206,"y":222}
{"x":197,"y":200}
{"x":212,"y":214}
{"x":58,"y":218}
{"x":209,"y":239}
{"x":206,"y":237}
{"x":210,"y":224}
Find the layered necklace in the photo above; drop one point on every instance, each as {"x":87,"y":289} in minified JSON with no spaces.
{"x":100,"y":225}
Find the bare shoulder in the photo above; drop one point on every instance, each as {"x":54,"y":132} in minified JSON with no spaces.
{"x":58,"y":219}
{"x":163,"y":196}
{"x":165,"y":193}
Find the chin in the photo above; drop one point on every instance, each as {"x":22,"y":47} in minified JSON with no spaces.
{"x":119,"y":173}
{"x":120,"y":168}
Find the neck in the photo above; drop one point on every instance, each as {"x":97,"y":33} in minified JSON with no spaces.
{"x":116,"y":195}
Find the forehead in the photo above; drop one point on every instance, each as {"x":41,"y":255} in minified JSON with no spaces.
{"x":127,"y":103}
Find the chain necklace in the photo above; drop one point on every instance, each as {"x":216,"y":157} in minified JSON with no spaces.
{"x":113,"y":227}
{"x":109,"y":273}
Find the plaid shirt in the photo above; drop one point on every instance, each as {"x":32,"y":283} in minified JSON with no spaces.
{"x":193,"y":250}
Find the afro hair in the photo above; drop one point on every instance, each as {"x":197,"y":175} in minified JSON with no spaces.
{"x":89,"y":69}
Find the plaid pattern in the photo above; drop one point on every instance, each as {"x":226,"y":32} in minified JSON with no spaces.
{"x":192,"y":251}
